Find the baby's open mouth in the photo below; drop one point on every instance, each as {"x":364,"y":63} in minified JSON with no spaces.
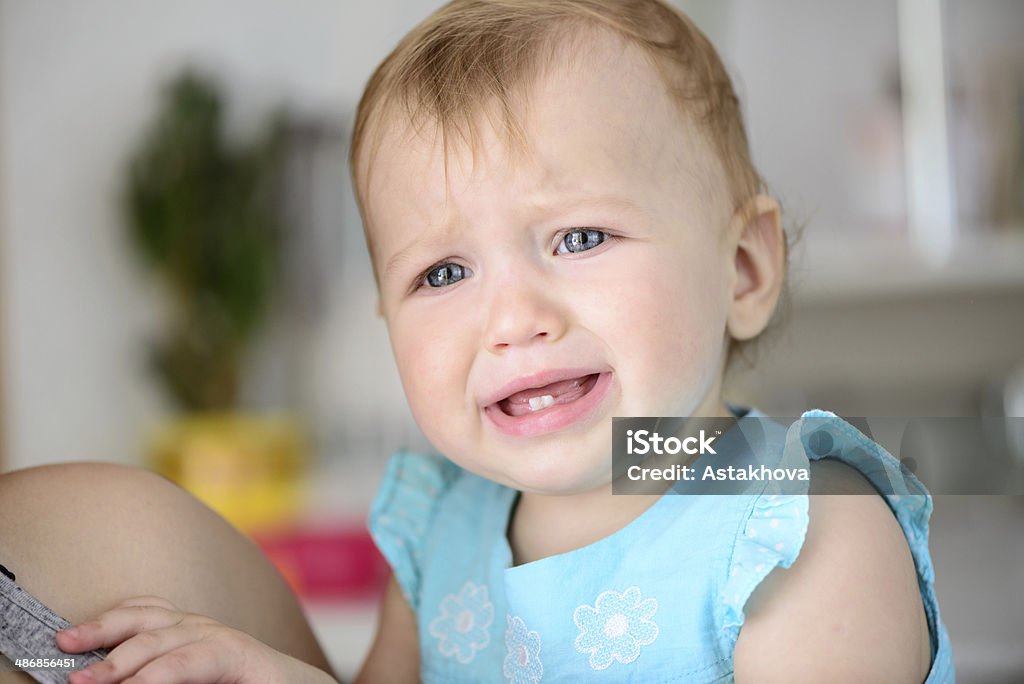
{"x":540,"y":398}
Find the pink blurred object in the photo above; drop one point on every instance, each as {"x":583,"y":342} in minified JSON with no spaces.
{"x":329,"y":564}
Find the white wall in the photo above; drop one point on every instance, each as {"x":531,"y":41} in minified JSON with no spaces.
{"x":79,"y":81}
{"x":807,"y":104}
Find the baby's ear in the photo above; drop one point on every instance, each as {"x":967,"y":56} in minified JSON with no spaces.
{"x":760,"y":265}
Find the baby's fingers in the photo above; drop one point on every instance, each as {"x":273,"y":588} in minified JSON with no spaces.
{"x":114,"y":626}
{"x":209,"y":660}
{"x":139,"y":651}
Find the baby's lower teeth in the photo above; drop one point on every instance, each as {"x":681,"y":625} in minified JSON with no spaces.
{"x":538,"y":403}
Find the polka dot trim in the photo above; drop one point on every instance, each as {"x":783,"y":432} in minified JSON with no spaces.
{"x":772,"y":536}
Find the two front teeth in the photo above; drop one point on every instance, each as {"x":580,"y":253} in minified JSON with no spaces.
{"x":542,"y":402}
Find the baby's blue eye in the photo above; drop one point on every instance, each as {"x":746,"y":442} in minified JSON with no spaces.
{"x":446,"y":274}
{"x":580,"y":240}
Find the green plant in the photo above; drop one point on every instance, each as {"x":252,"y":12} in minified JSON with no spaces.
{"x":205,"y":216}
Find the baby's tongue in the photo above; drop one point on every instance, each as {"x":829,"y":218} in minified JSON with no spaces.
{"x":561,"y":392}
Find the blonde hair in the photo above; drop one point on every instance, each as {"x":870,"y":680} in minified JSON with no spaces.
{"x":471,"y":53}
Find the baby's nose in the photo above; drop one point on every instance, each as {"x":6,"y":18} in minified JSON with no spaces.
{"x":519,"y":315}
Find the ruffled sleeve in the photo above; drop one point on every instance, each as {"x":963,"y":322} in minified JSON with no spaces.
{"x":772,"y":530}
{"x":770,"y":535}
{"x":826,"y":435}
{"x":403,"y":512}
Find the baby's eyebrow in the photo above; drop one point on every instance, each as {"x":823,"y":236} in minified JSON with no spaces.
{"x":396,"y":261}
{"x":416,"y":244}
{"x":563,"y":201}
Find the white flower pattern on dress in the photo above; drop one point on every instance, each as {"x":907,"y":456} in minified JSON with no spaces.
{"x":463,"y":627}
{"x":522,"y":662}
{"x":615,"y":627}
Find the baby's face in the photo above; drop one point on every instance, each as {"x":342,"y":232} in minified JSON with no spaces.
{"x":532,"y":297}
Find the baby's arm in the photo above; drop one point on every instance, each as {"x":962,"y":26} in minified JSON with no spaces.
{"x":849,"y":609}
{"x":395,"y":655}
{"x":153,"y":641}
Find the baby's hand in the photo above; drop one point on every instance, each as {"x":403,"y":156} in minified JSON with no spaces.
{"x":155,"y":642}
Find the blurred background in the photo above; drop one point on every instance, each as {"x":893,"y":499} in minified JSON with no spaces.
{"x":184,"y":284}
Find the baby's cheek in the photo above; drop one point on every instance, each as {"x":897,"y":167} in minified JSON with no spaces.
{"x":672,"y":345}
{"x":434,"y":379}
{"x":419,"y":373}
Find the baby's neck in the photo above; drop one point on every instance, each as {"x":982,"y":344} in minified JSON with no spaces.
{"x":543,"y":526}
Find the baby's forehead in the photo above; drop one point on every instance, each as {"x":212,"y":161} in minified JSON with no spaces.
{"x":597,"y":118}
{"x":607,"y":106}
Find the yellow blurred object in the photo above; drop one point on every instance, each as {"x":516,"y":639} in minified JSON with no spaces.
{"x":248,"y":468}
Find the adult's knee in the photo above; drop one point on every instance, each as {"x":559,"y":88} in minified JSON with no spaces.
{"x":79,"y":534}
{"x":83,"y":537}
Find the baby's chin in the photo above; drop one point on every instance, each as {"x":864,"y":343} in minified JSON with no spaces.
{"x":548,"y":472}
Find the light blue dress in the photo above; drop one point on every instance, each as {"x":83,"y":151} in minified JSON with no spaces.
{"x":661,"y":600}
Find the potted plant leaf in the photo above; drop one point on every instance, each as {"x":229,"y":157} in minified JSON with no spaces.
{"x":204,"y":214}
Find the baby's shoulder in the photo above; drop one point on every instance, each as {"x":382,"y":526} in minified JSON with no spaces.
{"x":832,"y":476}
{"x":849,"y":603}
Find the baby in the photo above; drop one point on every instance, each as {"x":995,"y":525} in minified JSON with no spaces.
{"x":565,"y":225}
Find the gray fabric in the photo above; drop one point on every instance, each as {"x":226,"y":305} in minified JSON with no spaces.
{"x":28,"y":631}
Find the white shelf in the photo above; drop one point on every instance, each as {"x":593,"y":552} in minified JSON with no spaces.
{"x":833,"y":268}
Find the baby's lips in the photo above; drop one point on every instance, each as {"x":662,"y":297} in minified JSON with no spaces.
{"x":535,"y":381}
{"x":522,"y":422}
{"x":564,"y":392}
{"x":554,"y":389}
